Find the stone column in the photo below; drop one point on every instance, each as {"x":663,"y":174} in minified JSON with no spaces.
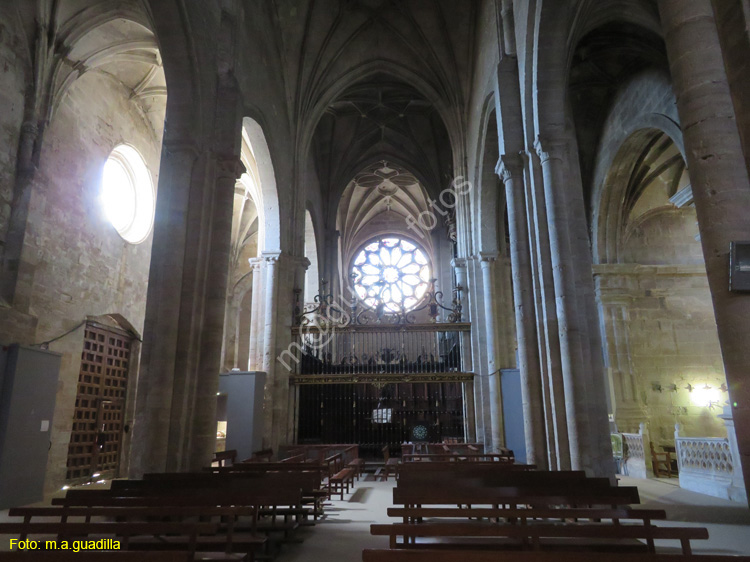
{"x":301,"y":266}
{"x":203,"y":419}
{"x":26,"y":165}
{"x":493,"y":372}
{"x":257,"y":317}
{"x":574,"y":368}
{"x":470,"y":391}
{"x":151,"y":445}
{"x":510,"y":169}
{"x":548,"y":330}
{"x":331,"y":261}
{"x":269,"y":336}
{"x":719,"y":178}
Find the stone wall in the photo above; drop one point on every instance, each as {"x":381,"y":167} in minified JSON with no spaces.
{"x":656,"y":309}
{"x":662,"y":342}
{"x":74,"y":264}
{"x":14,"y":70}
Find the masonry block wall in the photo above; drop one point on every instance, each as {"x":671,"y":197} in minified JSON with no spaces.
{"x":74,"y":263}
{"x":657,"y":315}
{"x":14,"y":74}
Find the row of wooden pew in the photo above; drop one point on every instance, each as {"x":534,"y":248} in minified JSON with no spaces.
{"x":234,"y":511}
{"x":482,"y":511}
{"x":441,"y":452}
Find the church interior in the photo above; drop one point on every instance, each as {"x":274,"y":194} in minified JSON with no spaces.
{"x":379,"y":280}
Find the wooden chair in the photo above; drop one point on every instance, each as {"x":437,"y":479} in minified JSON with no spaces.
{"x":661,"y":462}
{"x":391,"y":465}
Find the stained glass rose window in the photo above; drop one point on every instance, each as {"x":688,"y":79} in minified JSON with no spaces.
{"x":391,"y":271}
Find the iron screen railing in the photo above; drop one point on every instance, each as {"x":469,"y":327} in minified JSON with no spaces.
{"x":375,"y":380}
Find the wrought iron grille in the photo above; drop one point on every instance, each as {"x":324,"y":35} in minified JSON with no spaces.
{"x":366,"y":375}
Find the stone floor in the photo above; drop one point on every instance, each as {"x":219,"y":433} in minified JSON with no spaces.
{"x":345,"y":531}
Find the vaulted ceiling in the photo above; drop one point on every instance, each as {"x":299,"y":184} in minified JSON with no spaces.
{"x":603,"y":61}
{"x":381,"y":119}
{"x":374,"y":80}
{"x":381,"y":196}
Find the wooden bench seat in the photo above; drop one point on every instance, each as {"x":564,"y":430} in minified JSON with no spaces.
{"x":574,"y":536}
{"x":556,"y":496}
{"x":426,"y":555}
{"x":94,"y":556}
{"x":526,"y":516}
{"x":340,"y":482}
{"x":358,"y":465}
{"x":391,"y":464}
{"x":460,"y":457}
{"x":189,"y":537}
{"x":224,"y":457}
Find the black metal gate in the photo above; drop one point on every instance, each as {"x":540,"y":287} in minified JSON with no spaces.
{"x":377,"y":414}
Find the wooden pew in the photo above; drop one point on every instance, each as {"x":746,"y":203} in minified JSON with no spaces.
{"x":274,"y":504}
{"x":568,"y":495}
{"x":465,"y":555}
{"x":315,"y":490}
{"x":94,"y":556}
{"x":440,"y":465}
{"x":538,"y":536}
{"x":529,"y":516}
{"x":238,"y":536}
{"x":295,"y":458}
{"x":221,"y":457}
{"x":264,"y":455}
{"x":451,"y":457}
{"x":342,"y":478}
{"x":391,"y":464}
{"x":186,"y":537}
{"x":523,"y":516}
{"x":352,"y":460}
{"x":498,"y":478}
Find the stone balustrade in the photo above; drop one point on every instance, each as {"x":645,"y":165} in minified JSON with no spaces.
{"x":710,"y":465}
{"x":634,"y":462}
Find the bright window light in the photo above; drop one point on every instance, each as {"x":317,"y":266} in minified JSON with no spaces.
{"x":127,"y":194}
{"x":705,"y":396}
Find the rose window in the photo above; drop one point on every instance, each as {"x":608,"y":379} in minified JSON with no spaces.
{"x":391,"y":272}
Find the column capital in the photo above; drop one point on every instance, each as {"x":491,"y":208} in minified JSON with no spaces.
{"x":256,"y":263}
{"x":486,"y":258}
{"x":457,"y":263}
{"x":549,"y":148}
{"x":30,"y":128}
{"x":189,"y":147}
{"x":301,"y":262}
{"x":230,"y":168}
{"x":509,"y":167}
{"x":271,"y":257}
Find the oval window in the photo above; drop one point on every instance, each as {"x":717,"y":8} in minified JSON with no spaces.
{"x":128,"y":194}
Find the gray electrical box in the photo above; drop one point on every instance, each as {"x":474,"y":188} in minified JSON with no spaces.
{"x":739,"y":266}
{"x":243,"y":410}
{"x":28,"y":387}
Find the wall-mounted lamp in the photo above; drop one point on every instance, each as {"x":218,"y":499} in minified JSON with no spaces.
{"x":706,"y":396}
{"x":656,"y":387}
